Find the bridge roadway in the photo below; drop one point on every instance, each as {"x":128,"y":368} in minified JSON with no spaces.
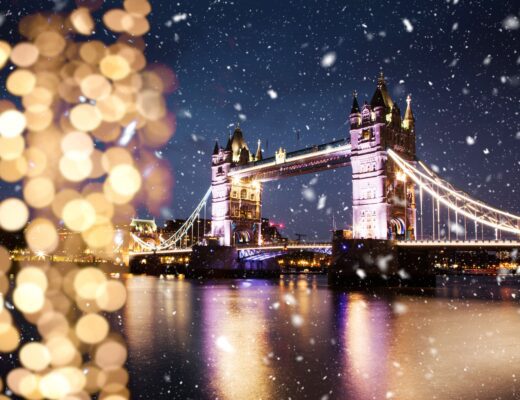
{"x":323,"y":247}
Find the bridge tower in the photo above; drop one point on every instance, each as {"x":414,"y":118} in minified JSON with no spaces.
{"x":236,"y":203}
{"x":383,"y":200}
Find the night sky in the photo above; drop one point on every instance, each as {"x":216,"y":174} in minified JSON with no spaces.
{"x":260,"y":63}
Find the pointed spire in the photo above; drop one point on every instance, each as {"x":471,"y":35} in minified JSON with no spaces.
{"x":216,"y":148}
{"x":228,"y":145}
{"x":381,"y":80}
{"x":408,"y":115}
{"x":258,"y":155}
{"x":409,"y":119}
{"x":377,"y":98}
{"x":355,"y":104}
{"x":381,"y":96}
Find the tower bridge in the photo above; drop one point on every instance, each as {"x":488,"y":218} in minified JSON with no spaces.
{"x":390,"y":191}
{"x":378,"y":189}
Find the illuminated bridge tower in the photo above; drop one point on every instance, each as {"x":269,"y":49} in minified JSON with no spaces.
{"x":236,"y":203}
{"x":383,"y":200}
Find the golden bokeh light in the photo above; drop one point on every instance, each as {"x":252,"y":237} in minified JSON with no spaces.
{"x":74,"y":95}
{"x":24,"y":54}
{"x":150,"y":104}
{"x":21,"y":82}
{"x":14,"y":214}
{"x":62,"y":350}
{"x":13,"y":170}
{"x":12,"y":123}
{"x":9,"y":339}
{"x":138,"y":26}
{"x":11,"y":148}
{"x":16,"y":379}
{"x":99,"y":236}
{"x":92,"y":328}
{"x":61,"y":199}
{"x":92,"y":52}
{"x":85,"y":117}
{"x":112,"y":108}
{"x":39,"y":100}
{"x":87,"y":282}
{"x":114,"y":67}
{"x":79,"y":215}
{"x":34,"y":276}
{"x":28,"y":297}
{"x":77,"y":145}
{"x":124,"y":180}
{"x":50,"y":43}
{"x":39,"y":192}
{"x":110,"y":354}
{"x":39,"y":120}
{"x":35,"y":356}
{"x":82,"y":21}
{"x":5,"y":52}
{"x":111,"y":296}
{"x":116,"y":156}
{"x":41,"y":236}
{"x":113,"y":20}
{"x":52,"y":324}
{"x":141,"y":7}
{"x":95,"y":86}
{"x":75,"y":170}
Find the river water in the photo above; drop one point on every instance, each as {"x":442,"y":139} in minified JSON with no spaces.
{"x":296,"y":338}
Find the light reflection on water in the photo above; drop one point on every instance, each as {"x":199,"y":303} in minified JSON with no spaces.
{"x":297,"y":338}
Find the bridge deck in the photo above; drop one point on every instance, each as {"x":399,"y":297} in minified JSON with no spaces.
{"x":312,"y":159}
{"x":487,"y":244}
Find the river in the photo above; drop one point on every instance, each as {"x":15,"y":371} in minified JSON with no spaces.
{"x":296,"y":338}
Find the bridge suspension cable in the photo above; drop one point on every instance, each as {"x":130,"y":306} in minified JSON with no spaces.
{"x":177,"y":237}
{"x":456,"y":200}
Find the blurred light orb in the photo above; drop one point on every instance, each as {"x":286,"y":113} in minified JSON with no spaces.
{"x":92,"y":328}
{"x":28,"y":298}
{"x":14,"y":214}
{"x":12,"y":123}
{"x":125,"y":180}
{"x":114,"y":67}
{"x":21,"y":82}
{"x":88,"y":281}
{"x":24,"y":54}
{"x":79,"y":215}
{"x":82,"y":21}
{"x":35,"y":356}
{"x":111,"y":296}
{"x":85,"y":117}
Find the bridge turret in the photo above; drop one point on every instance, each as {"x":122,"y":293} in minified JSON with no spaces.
{"x":237,"y":144}
{"x":258,"y":155}
{"x":355,"y":112}
{"x":409,"y":120}
{"x":220,"y":193}
{"x":395,"y":117}
{"x":383,"y":204}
